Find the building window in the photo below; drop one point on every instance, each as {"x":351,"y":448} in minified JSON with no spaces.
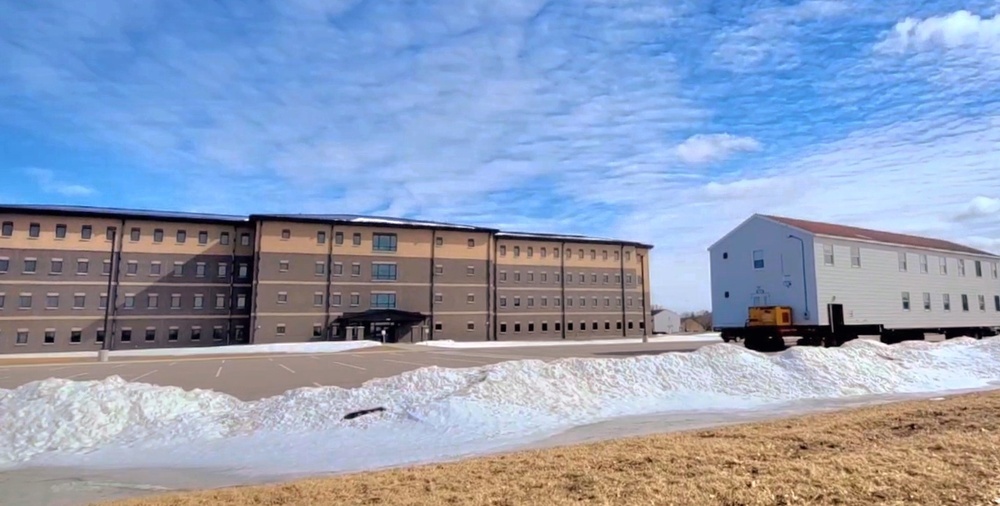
{"x":503,"y":301}
{"x":320,"y":268}
{"x":7,"y":230}
{"x":556,"y":252}
{"x":222,"y":270}
{"x":286,"y":234}
{"x":199,"y":269}
{"x":517,"y":328}
{"x":241,"y":301}
{"x":982,"y":302}
{"x":244,"y":270}
{"x":558,"y":325}
{"x":902,"y":261}
{"x":531,"y":302}
{"x":79,"y":301}
{"x":383,"y":272}
{"x":544,"y":301}
{"x":4,"y":264}
{"x":906,"y":301}
{"x":471,"y":243}
{"x":544,"y":277}
{"x":569,"y":326}
{"x":75,"y":336}
{"x":217,"y":333}
{"x":855,"y":256}
{"x":320,"y":237}
{"x":196,"y":333}
{"x":86,"y":232}
{"x":927,"y":301}
{"x":356,"y":239}
{"x":993,"y":270}
{"x":338,"y":269}
{"x":470,"y":298}
{"x":158,"y":235}
{"x":50,"y":337}
{"x":355,"y":299}
{"x":545,"y":326}
{"x":175,"y":301}
{"x":470,"y":270}
{"x":439,"y":241}
{"x":517,"y":251}
{"x":52,"y":301}
{"x":224,"y":238}
{"x":542,"y":252}
{"x":470,"y":326}
{"x":60,"y":231}
{"x":383,"y":300}
{"x":82,"y":266}
{"x":56,"y":266}
{"x":531,"y":252}
{"x":979,"y":269}
{"x":126,"y":335}
{"x":282,"y":297}
{"x":132,"y":268}
{"x":220,"y":301}
{"x":338,"y":238}
{"x":129,"y":301}
{"x":517,"y":301}
{"x":203,"y":237}
{"x":923,"y":264}
{"x":943,"y":265}
{"x":438,"y":326}
{"x":531,"y":276}
{"x":109,"y":234}
{"x":438,"y":269}
{"x":828,"y":254}
{"x":199,"y":301}
{"x":961,"y":267}
{"x":503,"y":328}
{"x":318,"y":299}
{"x":245,"y":239}
{"x":30,"y":265}
{"x":150,"y":334}
{"x":569,"y":301}
{"x":34,"y":230}
{"x":279,"y":329}
{"x":317,"y":330}
{"x":283,"y":265}
{"x":965,"y":302}
{"x":152,"y":300}
{"x":355,"y":269}
{"x":102,"y":301}
{"x":181,"y":236}
{"x":22,"y":337}
{"x":135,"y":234}
{"x":503,"y":275}
{"x":758,"y":261}
{"x":173,"y":333}
{"x":503,"y":250}
{"x":996,"y":302}
{"x":946,"y":302}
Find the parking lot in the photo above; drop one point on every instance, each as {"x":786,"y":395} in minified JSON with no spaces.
{"x":250,"y":377}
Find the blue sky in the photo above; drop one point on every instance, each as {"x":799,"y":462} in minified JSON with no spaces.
{"x":667,"y":122}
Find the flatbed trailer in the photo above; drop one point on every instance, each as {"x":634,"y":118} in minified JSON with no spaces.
{"x":768,"y":327}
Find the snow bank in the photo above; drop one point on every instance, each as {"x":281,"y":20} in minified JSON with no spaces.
{"x":435,"y":413}
{"x":319,"y":347}
{"x":673,"y":338}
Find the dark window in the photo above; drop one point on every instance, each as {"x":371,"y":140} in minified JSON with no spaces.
{"x":472,"y":243}
{"x":470,"y":326}
{"x":593,"y":326}
{"x":558,"y":325}
{"x":607,"y":325}
{"x":51,"y":301}
{"x":439,"y":241}
{"x":630,"y":325}
{"x":517,"y":328}
{"x":80,"y":301}
{"x":357,"y":239}
{"x":195,"y":334}
{"x":158,"y":235}
{"x":217,"y":333}
{"x":82,"y":266}
{"x":99,"y":336}
{"x":30,"y":265}
{"x":321,"y":239}
{"x":56,"y":267}
{"x":22,"y":337}
{"x":34,"y":230}
{"x":150,"y":334}
{"x":224,"y":238}
{"x":109,"y":234}
{"x":338,"y":237}
{"x":383,"y":242}
{"x":335,"y":299}
{"x":135,"y":235}
{"x":355,"y":299}
{"x":569,"y":326}
{"x":317,"y":331}
{"x":383,"y":301}
{"x":355,"y":269}
{"x":438,"y":326}
{"x":60,"y":231}
{"x":384,"y":272}
{"x":172,"y":334}
{"x":50,"y":337}
{"x":181,"y":236}
{"x":126,"y":336}
{"x":965,"y":302}
{"x":8,"y":229}
{"x":996,"y":302}
{"x":75,"y":337}
{"x":4,"y":264}
{"x":531,"y":327}
{"x":286,"y":234}
{"x":203,"y":237}
{"x":86,"y":232}
{"x":503,"y":328}
{"x":545,"y":327}
{"x":338,"y":269}
{"x":3,"y":300}
{"x":618,"y":325}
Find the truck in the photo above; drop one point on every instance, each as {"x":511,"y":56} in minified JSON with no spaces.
{"x":767,"y":327}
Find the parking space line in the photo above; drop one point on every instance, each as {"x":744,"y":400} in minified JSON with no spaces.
{"x":219,"y":372}
{"x":285,"y":367}
{"x":77,"y":375}
{"x":143,"y":375}
{"x":406,"y":363}
{"x":317,"y":384}
{"x":453,"y":359}
{"x":358,"y":367}
{"x":171,"y":364}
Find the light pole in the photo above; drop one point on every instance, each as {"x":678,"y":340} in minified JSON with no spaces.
{"x":805,"y":289}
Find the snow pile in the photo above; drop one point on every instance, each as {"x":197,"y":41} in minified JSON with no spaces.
{"x":673,"y":338}
{"x":435,"y":413}
{"x":237,"y":349}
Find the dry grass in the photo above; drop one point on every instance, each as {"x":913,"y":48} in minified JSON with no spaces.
{"x":914,"y":453}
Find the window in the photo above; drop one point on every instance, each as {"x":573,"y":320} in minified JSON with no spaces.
{"x":517,"y":276}
{"x":79,"y":301}
{"x":503,"y":301}
{"x":517,"y":251}
{"x":132,"y":268}
{"x":181,"y":236}
{"x":30,"y":265}
{"x":245,"y":239}
{"x":56,"y":266}
{"x":979,"y":269}
{"x":531,"y":302}
{"x":152,"y":300}
{"x":282,"y":297}
{"x":531,"y":326}
{"x":604,"y":254}
{"x":135,"y":234}
{"x":175,"y":301}
{"x":356,"y":239}
{"x":923,"y":264}
{"x":617,"y":255}
{"x":470,"y":298}
{"x":52,"y":301}
{"x":86,"y":232}
{"x":199,"y":301}
{"x":558,"y":325}
{"x":758,"y":262}
{"x":4,"y":264}
{"x":503,"y":275}
{"x":906,"y":301}
{"x":438,"y":326}
{"x":544,"y":301}
{"x":503,"y":250}
{"x":158,"y":235}
{"x":545,"y":326}
{"x":224,"y":238}
{"x":129,"y":301}
{"x":178,"y":269}
{"x":470,"y":326}
{"x":901,"y":256}
{"x":569,"y":326}
{"x":556,"y":252}
{"x":996,"y":302}
{"x":993,"y":270}
{"x":628,"y":258}
{"x":355,"y":299}
{"x":286,"y":234}
{"x":828,"y":254}
{"x":607,"y":302}
{"x":317,"y":330}
{"x":470,"y":270}
{"x":109,"y":234}
{"x":965,"y":302}
{"x":50,"y":337}
{"x":438,"y":269}
{"x":531,"y":252}
{"x":217,"y":333}
{"x":503,"y":328}
{"x":383,"y":272}
{"x":7,"y":229}
{"x":320,"y":237}
{"x":222,"y":270}
{"x":580,"y":253}
{"x":383,"y":300}
{"x":946,"y":302}
{"x":517,"y":327}
{"x":943,"y":265}
{"x":3,"y":300}
{"x":320,"y":268}
{"x":34,"y":230}
{"x":569,"y":277}
{"x":517,"y":301}
{"x":544,"y":277}
{"x":203,"y":237}
{"x":355,"y":269}
{"x":961,"y":267}
{"x":855,"y":256}
{"x":982,"y":302}
{"x":279,"y":329}
{"x":338,"y":269}
{"x":22,"y":337}
{"x":531,"y":276}
{"x":75,"y":336}
{"x":439,"y":241}
{"x":927,"y":301}
{"x":472,"y":244}
{"x":542,"y":252}
{"x":102,"y":302}
{"x":220,"y":301}
{"x":244,"y":270}
{"x":628,"y":279}
{"x":318,"y":299}
{"x":338,"y":238}
{"x":593,"y":254}
{"x":82,"y":266}
{"x":196,"y":333}
{"x":607,"y":325}
{"x":241,"y":301}
{"x":150,"y":335}
{"x":569,"y":301}
{"x":172,"y":334}
{"x":60,"y":231}
{"x":283,"y":265}
{"x":126,"y":335}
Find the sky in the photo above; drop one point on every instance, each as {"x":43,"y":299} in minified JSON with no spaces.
{"x":663,"y":122}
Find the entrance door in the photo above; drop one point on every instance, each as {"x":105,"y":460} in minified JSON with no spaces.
{"x":836,"y":315}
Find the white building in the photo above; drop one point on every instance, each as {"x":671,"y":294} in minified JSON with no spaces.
{"x":666,"y":321}
{"x":819,"y":269}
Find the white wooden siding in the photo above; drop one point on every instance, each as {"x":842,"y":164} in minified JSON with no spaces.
{"x":778,"y":283}
{"x":872,"y":293}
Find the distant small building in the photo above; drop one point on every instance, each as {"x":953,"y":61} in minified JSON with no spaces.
{"x":666,"y":321}
{"x":692,"y":325}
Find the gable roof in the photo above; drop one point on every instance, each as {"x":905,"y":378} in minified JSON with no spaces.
{"x":865,"y":234}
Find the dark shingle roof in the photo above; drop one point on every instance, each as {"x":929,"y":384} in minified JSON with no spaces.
{"x":864,"y":234}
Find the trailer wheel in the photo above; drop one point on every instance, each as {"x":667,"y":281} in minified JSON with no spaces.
{"x":764,"y":343}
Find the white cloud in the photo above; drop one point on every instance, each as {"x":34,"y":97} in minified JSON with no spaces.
{"x":960,"y":29}
{"x":705,"y":148}
{"x":49,"y":182}
{"x":979,"y":207}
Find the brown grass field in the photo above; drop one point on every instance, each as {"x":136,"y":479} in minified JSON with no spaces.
{"x":912,"y":453}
